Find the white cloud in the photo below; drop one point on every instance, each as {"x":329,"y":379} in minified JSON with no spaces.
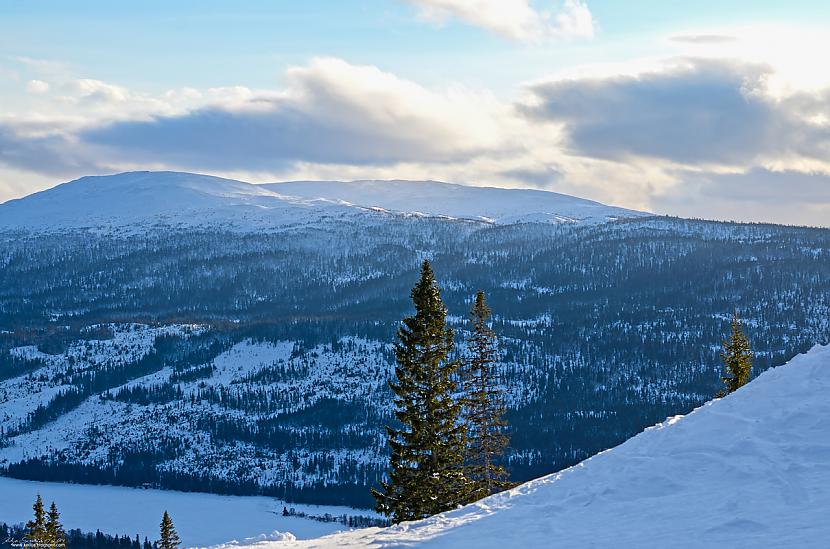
{"x":329,"y":112}
{"x":37,"y":86}
{"x":514,"y":19}
{"x":99,"y":91}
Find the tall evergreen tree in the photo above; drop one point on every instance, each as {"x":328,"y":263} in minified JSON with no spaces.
{"x":427,"y":448}
{"x":737,"y":359}
{"x":36,"y":528}
{"x":484,"y":407}
{"x":55,"y":533}
{"x":169,"y":537}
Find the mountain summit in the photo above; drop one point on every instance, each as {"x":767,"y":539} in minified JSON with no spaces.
{"x":185,"y":199}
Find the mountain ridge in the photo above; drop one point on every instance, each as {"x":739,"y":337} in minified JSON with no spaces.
{"x":186,"y":199}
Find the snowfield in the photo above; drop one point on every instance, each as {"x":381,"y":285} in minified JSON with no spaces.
{"x":750,"y":470}
{"x":200,"y":519}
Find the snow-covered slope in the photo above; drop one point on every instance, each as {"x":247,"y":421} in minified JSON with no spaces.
{"x":191,"y":200}
{"x":165,"y":198}
{"x":750,"y":470}
{"x":496,"y":205}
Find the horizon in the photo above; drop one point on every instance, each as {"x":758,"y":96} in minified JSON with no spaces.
{"x":416,"y":182}
{"x":714,"y":113}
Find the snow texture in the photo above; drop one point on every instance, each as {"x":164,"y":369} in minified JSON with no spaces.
{"x":749,"y":470}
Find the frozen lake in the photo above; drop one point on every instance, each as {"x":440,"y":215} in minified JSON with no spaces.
{"x":201,"y":519}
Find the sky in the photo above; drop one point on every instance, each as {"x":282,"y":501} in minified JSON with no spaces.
{"x":710,"y":109}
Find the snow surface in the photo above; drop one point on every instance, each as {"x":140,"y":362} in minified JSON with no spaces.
{"x":200,"y":519}
{"x":192,"y":200}
{"x":749,"y":470}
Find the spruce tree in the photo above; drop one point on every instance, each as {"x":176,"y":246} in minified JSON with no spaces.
{"x":36,"y":528}
{"x":427,"y":447}
{"x":55,"y":533}
{"x":484,"y":407}
{"x":169,"y":537}
{"x":737,"y":359}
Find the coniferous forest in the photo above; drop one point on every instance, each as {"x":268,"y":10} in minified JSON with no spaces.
{"x":258,"y":363}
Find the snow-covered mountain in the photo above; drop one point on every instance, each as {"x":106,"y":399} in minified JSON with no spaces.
{"x":191,"y":200}
{"x":749,"y":470}
{"x":490,"y":204}
{"x":162,"y":198}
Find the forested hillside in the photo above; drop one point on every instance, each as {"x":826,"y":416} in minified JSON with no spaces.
{"x":257,"y":362}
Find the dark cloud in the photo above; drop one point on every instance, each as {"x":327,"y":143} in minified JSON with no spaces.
{"x":539,"y":177}
{"x":700,"y":111}
{"x":50,"y":155}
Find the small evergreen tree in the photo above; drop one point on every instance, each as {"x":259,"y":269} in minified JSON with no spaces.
{"x":737,"y":359}
{"x":427,"y":448}
{"x":36,"y":528}
{"x":55,"y":533}
{"x":484,"y":407}
{"x":169,"y":537}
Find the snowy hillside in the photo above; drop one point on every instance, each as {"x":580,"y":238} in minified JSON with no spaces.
{"x":191,"y":200}
{"x":163,"y":198}
{"x":750,"y":470}
{"x":490,"y":204}
{"x":256,"y":387}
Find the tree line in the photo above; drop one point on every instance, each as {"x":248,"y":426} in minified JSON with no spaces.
{"x":45,"y":531}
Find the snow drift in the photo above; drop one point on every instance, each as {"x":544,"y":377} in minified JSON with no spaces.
{"x":749,"y":470}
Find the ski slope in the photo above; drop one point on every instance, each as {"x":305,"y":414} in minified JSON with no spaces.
{"x":750,"y":470}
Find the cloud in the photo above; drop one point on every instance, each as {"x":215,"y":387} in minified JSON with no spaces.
{"x":98,"y":91}
{"x":539,"y":177}
{"x":514,"y":19}
{"x":330,"y":112}
{"x":787,"y":196}
{"x":702,"y":38}
{"x":37,"y":86}
{"x":55,"y":154}
{"x":692,"y":111}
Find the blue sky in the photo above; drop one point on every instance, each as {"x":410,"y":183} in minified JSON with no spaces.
{"x":692,"y":108}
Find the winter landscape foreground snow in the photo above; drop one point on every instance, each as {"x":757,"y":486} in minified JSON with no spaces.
{"x":749,"y":470}
{"x":201,"y":519}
